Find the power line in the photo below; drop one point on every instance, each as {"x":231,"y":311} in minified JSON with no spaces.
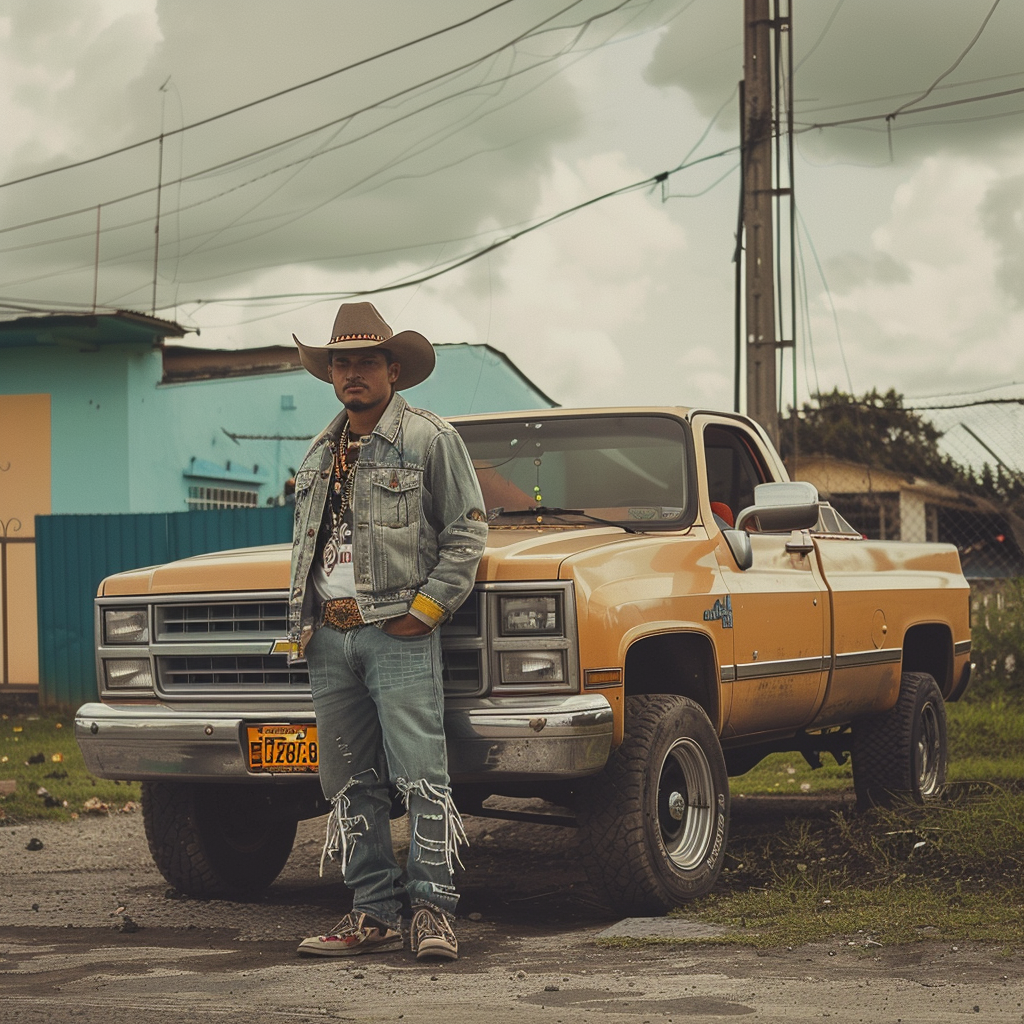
{"x":264,"y":99}
{"x":336,"y":121}
{"x":460,"y":261}
{"x":916,"y":110}
{"x":952,"y":67}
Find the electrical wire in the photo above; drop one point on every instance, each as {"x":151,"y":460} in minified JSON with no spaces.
{"x":262,"y":151}
{"x":952,"y":67}
{"x":828,"y":292}
{"x":824,"y":32}
{"x":265,"y":99}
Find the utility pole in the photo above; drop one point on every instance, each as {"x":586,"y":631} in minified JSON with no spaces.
{"x":758,"y":195}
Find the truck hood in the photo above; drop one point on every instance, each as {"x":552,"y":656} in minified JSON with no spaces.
{"x":521,"y":553}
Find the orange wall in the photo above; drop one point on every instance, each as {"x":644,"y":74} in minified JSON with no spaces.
{"x":24,"y":494}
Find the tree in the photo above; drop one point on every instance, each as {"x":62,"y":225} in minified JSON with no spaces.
{"x":874,"y":430}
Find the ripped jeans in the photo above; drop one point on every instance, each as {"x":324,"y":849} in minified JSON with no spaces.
{"x":380,"y":719}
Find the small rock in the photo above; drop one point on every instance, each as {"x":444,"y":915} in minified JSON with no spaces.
{"x":433,"y":977}
{"x":519,"y":975}
{"x":476,"y":916}
{"x":550,"y":988}
{"x":34,"y":844}
{"x":35,"y":906}
{"x":358,"y":974}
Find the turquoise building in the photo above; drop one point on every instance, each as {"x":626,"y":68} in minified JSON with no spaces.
{"x":104,"y":417}
{"x":140,"y":425}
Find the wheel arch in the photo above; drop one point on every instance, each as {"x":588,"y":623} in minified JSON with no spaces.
{"x":680,"y":662}
{"x":928,"y":647}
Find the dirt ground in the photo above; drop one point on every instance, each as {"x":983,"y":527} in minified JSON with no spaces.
{"x":90,"y":932}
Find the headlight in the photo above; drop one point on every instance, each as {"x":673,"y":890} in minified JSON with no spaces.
{"x":532,"y":667}
{"x":126,"y":625}
{"x":128,"y":674}
{"x":537,"y":615}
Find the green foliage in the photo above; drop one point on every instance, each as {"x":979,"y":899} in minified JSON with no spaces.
{"x":997,"y":642}
{"x":39,"y":752}
{"x":877,"y":430}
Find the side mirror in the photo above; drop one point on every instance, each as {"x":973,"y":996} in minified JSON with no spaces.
{"x":739,"y":545}
{"x":778,"y":507}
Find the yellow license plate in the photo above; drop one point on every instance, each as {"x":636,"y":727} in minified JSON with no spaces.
{"x":282,"y":748}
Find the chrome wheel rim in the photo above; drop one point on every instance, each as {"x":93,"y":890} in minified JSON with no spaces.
{"x":928,"y":751}
{"x":686,"y":804}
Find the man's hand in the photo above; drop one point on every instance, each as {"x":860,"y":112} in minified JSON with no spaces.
{"x":407,"y":625}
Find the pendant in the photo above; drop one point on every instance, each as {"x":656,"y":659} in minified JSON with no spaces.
{"x":330,"y":555}
{"x":337,"y":487}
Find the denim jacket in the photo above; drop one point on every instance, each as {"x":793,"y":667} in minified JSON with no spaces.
{"x":420,"y":527}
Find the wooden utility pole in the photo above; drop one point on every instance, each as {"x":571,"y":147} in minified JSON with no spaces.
{"x":758,"y":195}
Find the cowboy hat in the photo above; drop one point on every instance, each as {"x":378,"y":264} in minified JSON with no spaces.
{"x":359,"y":325}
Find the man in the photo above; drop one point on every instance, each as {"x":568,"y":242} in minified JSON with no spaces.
{"x":389,"y":529}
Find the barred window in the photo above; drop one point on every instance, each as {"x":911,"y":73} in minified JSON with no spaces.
{"x":220,"y":497}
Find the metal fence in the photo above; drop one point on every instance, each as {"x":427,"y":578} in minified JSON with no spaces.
{"x":75,"y":552}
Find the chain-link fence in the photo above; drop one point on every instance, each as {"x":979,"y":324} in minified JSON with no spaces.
{"x":954,"y":475}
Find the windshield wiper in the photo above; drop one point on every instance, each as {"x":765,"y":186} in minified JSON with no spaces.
{"x":547,"y":510}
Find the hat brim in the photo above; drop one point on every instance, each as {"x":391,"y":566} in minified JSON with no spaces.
{"x":410,"y":349}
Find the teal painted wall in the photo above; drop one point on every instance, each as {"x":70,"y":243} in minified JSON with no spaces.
{"x":122,"y":442}
{"x":186,"y":421}
{"x":89,"y":415}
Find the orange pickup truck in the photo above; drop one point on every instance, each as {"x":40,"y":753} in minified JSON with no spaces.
{"x":658,"y":608}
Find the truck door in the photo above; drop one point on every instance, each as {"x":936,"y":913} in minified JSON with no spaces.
{"x":778,"y":609}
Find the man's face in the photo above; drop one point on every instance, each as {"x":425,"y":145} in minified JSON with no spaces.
{"x":362,"y":378}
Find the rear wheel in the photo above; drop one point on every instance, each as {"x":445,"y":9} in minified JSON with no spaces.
{"x":902,"y":754}
{"x":213,"y":840}
{"x":654,"y":822}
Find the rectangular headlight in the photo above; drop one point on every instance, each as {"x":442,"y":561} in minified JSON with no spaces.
{"x":532,"y":667}
{"x":535,"y":615}
{"x":126,"y":625}
{"x":128,"y":674}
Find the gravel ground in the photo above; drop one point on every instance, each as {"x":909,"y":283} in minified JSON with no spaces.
{"x":90,"y":932}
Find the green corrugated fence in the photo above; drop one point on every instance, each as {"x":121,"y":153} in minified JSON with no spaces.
{"x":74,"y":553}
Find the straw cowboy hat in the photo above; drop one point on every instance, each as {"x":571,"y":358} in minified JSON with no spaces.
{"x":359,"y":325}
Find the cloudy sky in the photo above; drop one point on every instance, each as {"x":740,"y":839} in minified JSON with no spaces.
{"x":911,"y":232}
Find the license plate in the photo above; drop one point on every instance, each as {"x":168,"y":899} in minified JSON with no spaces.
{"x":282,"y":748}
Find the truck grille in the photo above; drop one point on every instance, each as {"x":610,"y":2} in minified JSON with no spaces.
{"x":235,"y":619}
{"x":225,"y":673}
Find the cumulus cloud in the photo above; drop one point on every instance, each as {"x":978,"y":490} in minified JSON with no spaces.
{"x":873,"y":58}
{"x":945,"y":322}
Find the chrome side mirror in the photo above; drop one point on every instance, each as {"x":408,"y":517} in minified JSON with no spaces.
{"x":739,"y":545}
{"x":777,"y":507}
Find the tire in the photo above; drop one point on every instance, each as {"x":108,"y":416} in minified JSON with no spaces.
{"x":212,"y":840}
{"x":654,"y":822}
{"x":901,"y":756}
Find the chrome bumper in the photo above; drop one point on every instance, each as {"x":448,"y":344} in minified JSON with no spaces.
{"x":516,"y":739}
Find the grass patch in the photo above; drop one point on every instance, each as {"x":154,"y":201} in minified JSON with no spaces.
{"x":38,"y":751}
{"x":953,"y":870}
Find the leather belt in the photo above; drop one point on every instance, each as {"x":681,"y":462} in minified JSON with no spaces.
{"x":342,"y":613}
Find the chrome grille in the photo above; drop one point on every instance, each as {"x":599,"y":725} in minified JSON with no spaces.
{"x":234,"y":619}
{"x":224,"y":672}
{"x":461,"y":672}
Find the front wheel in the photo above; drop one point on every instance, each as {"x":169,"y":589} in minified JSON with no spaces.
{"x":654,"y":822}
{"x":212,"y":840}
{"x":902,"y":754}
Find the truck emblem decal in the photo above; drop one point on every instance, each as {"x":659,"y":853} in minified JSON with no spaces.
{"x":720,"y":611}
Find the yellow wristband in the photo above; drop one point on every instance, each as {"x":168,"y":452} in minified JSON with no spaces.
{"x":427,"y":606}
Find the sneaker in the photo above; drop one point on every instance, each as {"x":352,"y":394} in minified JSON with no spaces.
{"x":431,"y":934}
{"x":354,"y":933}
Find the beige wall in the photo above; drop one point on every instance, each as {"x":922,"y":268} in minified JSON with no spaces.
{"x":24,"y":494}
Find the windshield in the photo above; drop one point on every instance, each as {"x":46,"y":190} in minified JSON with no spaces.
{"x":629,"y":469}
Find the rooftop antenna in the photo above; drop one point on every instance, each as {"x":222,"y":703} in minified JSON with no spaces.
{"x":159,"y":187}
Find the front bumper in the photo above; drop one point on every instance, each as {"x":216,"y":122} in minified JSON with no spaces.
{"x":511,"y":740}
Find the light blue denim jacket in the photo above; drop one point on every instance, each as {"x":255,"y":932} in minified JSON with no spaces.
{"x":420,"y":527}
